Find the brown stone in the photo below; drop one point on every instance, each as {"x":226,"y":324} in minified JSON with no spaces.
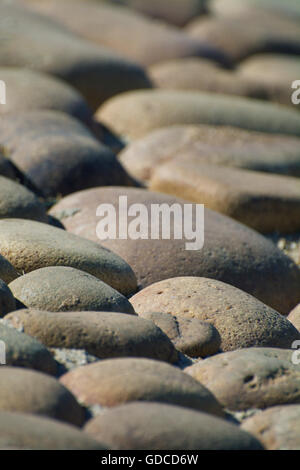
{"x":196,"y":74}
{"x":62,"y":289}
{"x":226,"y":146}
{"x":278,"y":428}
{"x":31,"y":90}
{"x":32,"y":432}
{"x":102,"y":334}
{"x":250,"y":378}
{"x":57,"y":153}
{"x":267,"y":203}
{"x":134,"y":114}
{"x":294,"y":317}
{"x":38,"y":43}
{"x":242,"y":320}
{"x":232,"y":253}
{"x":154,"y":426}
{"x":26,"y":391}
{"x":275,"y":73}
{"x":126,"y":31}
{"x":31,"y":245}
{"x":117,"y":381}
{"x":191,"y":336}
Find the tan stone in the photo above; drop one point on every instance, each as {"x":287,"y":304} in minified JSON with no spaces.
{"x":62,"y":289}
{"x":32,"y":432}
{"x":226,"y":146}
{"x":116,"y":381}
{"x":267,"y":203}
{"x":191,"y":336}
{"x":294,"y":317}
{"x":154,"y":426}
{"x":250,"y":378}
{"x":102,"y":334}
{"x":26,"y":391}
{"x":278,"y":428}
{"x":232,"y":253}
{"x":242,"y":320}
{"x":134,"y":114}
{"x":31,"y":245}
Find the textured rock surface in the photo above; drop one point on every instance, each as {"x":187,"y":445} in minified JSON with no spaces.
{"x":267,"y":203}
{"x":58,"y":153}
{"x":191,"y":336}
{"x":294,"y":317}
{"x":226,"y":146}
{"x":32,"y":392}
{"x":250,"y":378}
{"x":7,"y":272}
{"x":232,"y":253}
{"x":242,"y":320}
{"x":278,"y":428}
{"x":133,"y":114}
{"x":153,"y":426}
{"x":60,"y":288}
{"x":116,"y":381}
{"x":21,"y":350}
{"x":37,"y":42}
{"x":102,"y":334}
{"x":32,"y":245}
{"x":24,"y":431}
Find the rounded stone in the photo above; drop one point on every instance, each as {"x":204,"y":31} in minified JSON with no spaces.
{"x":134,"y":114}
{"x":227,"y":146}
{"x":266,"y":203}
{"x":28,"y":90}
{"x":275,"y":73}
{"x":57,"y":153}
{"x":32,"y":392}
{"x":38,"y":43}
{"x":22,"y":350}
{"x":7,"y":301}
{"x":155,"y":426}
{"x":294,"y":317}
{"x":250,"y":378}
{"x":102,"y":334}
{"x":24,"y":431}
{"x":61,"y":289}
{"x":16,"y":201}
{"x":125,"y":31}
{"x":196,"y":74}
{"x":30,"y":245}
{"x":232,"y":253}
{"x":117,"y":381}
{"x":278,"y":428}
{"x":242,"y":320}
{"x":191,"y":336}
{"x":7,"y":272}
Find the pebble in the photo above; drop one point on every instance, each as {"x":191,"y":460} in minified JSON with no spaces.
{"x":57,"y":153}
{"x":31,"y":432}
{"x":63,"y":289}
{"x":101,"y":334}
{"x":241,"y":320}
{"x":117,"y":381}
{"x":22,"y":350}
{"x":294,"y":317}
{"x":191,"y":336}
{"x":7,"y":272}
{"x":250,"y":378}
{"x":277,"y":428}
{"x":232,"y":253}
{"x":27,"y":391}
{"x":227,"y":146}
{"x":155,"y":426}
{"x":30,"y":245}
{"x":266,"y":203}
{"x":134,"y":114}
